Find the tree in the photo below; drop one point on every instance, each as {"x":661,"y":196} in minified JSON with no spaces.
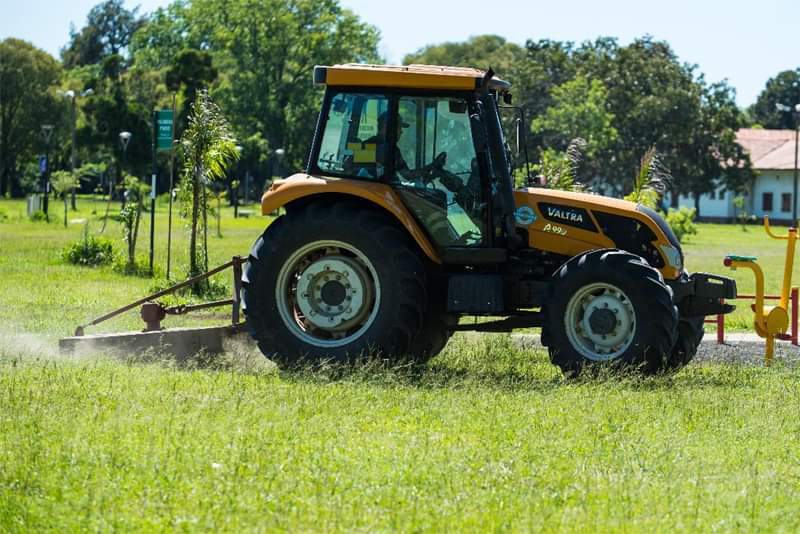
{"x":162,"y":36}
{"x":130,"y":216}
{"x":207,"y":148}
{"x":108,"y":31}
{"x":28,"y":77}
{"x":711,"y":156}
{"x":482,"y":51}
{"x":64,"y":182}
{"x":782,"y":89}
{"x":578,"y":110}
{"x":269,"y":48}
{"x":191,"y":71}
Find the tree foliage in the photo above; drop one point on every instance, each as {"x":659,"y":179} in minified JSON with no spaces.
{"x":271,"y":47}
{"x":579,"y":110}
{"x":783,"y":89}
{"x":622,"y":100}
{"x":108,"y":32}
{"x":28,"y":77}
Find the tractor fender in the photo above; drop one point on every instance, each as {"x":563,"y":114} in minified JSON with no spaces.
{"x":303,"y":187}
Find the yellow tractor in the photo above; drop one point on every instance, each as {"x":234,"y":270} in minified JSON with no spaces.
{"x":407,"y":220}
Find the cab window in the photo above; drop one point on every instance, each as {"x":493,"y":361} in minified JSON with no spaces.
{"x":436,"y":169}
{"x":351,"y":135}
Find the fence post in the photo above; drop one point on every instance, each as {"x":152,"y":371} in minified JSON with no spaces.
{"x":794,"y":316}
{"x":720,"y":328}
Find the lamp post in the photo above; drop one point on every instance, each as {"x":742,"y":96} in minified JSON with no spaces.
{"x":235,"y":189}
{"x":71,"y":96}
{"x":124,"y":139}
{"x":47,"y":133}
{"x":796,"y":113}
{"x":277,"y":162}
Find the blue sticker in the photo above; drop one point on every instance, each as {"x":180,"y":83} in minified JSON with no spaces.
{"x":525,"y":216}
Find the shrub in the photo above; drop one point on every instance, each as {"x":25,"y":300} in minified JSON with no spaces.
{"x":89,"y":250}
{"x":682,"y":222}
{"x":38,"y":215}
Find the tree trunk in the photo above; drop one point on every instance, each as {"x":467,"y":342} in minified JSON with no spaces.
{"x":137,"y":216}
{"x":219,"y":215}
{"x":65,"y":209}
{"x":204,"y":207}
{"x":697,"y":204}
{"x":193,"y":231}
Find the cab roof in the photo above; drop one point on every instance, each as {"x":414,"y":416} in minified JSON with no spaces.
{"x":406,"y":76}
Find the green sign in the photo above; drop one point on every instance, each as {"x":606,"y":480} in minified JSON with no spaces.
{"x":164,"y":132}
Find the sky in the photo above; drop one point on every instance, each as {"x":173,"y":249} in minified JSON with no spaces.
{"x":743,"y":41}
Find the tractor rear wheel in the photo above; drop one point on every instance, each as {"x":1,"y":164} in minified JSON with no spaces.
{"x":333,"y":282}
{"x":609,"y":307}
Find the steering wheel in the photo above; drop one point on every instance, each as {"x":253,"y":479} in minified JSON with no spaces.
{"x":436,"y":167}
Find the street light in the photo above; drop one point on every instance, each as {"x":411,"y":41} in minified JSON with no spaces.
{"x":787,"y":109}
{"x":71,"y":96}
{"x":235,"y":188}
{"x":47,"y":133}
{"x":277,"y":163}
{"x":124,"y":139}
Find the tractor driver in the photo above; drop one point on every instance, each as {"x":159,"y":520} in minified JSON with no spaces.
{"x":466,"y":190}
{"x":383,"y":151}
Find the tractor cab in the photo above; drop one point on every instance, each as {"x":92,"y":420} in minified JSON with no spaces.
{"x":433,"y":135}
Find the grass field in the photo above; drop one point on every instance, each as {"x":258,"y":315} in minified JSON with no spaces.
{"x":487,"y":437}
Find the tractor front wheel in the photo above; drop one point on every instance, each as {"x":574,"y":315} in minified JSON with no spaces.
{"x":609,"y":307}
{"x":690,"y":334}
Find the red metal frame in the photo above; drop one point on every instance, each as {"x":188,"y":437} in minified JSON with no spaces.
{"x":794,"y":298}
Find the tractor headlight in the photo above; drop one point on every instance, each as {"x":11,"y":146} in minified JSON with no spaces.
{"x":673,"y":256}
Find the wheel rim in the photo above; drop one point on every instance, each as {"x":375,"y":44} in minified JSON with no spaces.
{"x":600,"y":322}
{"x":328,"y":293}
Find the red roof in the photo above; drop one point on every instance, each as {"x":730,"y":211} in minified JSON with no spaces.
{"x":769,"y":149}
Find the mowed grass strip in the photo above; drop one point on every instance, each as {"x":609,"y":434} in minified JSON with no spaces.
{"x":488,"y":437}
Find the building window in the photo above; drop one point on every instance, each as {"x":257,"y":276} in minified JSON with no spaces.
{"x":786,"y":202}
{"x":766,"y":202}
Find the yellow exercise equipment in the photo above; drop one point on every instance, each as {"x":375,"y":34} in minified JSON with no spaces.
{"x":769,"y":321}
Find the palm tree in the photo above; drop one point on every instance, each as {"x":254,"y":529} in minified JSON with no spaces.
{"x":208,"y":148}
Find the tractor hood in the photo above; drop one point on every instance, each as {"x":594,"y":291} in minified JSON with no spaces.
{"x":569,"y":223}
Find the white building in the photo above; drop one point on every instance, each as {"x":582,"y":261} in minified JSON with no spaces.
{"x":772,"y":153}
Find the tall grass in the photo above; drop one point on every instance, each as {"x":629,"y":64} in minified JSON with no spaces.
{"x":488,"y":437}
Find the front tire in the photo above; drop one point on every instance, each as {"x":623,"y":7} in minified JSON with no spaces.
{"x":690,"y":334}
{"x":609,"y":307}
{"x":333,"y":282}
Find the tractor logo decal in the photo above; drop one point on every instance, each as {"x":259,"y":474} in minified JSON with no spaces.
{"x":564,"y":215}
{"x":573,"y":216}
{"x":525,"y":216}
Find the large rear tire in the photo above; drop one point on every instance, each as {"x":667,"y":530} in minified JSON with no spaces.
{"x":609,"y":307}
{"x":333,"y":282}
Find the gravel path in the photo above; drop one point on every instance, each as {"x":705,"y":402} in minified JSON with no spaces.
{"x":741,"y":348}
